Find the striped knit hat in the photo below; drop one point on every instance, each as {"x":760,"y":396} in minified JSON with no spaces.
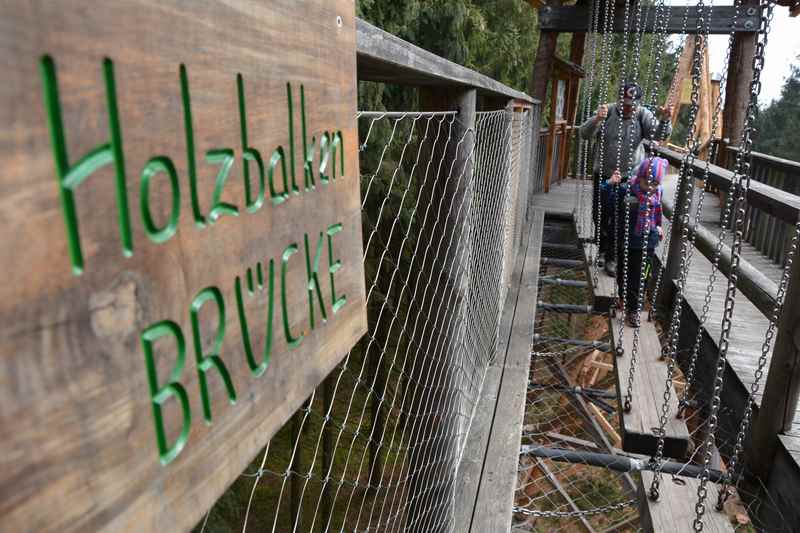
{"x":659,"y":170}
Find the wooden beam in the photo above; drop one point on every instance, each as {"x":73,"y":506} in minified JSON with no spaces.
{"x":607,"y":426}
{"x":383,"y":57}
{"x":569,"y":19}
{"x":740,"y":74}
{"x":771,"y":200}
{"x":543,"y":66}
{"x":758,"y":288}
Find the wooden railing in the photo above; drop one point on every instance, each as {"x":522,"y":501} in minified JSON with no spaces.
{"x":766,"y":204}
{"x":554,"y":153}
{"x":767,"y":233}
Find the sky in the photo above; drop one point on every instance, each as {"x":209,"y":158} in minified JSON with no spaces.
{"x":783,"y":47}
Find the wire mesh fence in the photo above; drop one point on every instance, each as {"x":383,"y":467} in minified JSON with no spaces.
{"x":377,"y":445}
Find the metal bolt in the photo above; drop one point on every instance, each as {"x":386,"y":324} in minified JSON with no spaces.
{"x":751,"y":11}
{"x":748,"y":24}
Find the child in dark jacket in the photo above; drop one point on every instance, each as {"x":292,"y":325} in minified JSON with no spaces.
{"x":642,"y":197}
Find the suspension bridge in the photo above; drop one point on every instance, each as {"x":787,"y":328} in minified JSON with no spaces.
{"x":419,"y":334}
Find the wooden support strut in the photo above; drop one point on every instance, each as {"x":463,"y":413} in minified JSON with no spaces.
{"x":577,"y":18}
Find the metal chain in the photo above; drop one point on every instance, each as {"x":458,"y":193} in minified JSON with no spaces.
{"x":619,"y":350}
{"x":588,"y":89}
{"x":766,"y":348}
{"x":576,"y":514}
{"x":605,"y":67}
{"x":642,"y":267}
{"x":684,"y":401}
{"x":668,"y":238}
{"x":686,"y":175}
{"x":656,"y":51}
{"x":742,"y":170}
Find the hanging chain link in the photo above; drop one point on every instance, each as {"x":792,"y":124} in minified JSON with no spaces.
{"x":628,"y":398}
{"x":577,"y":514}
{"x":605,"y":67}
{"x":726,"y":211}
{"x":686,"y":177}
{"x":619,"y":348}
{"x":766,"y":348}
{"x":742,"y":170}
{"x":668,"y":237}
{"x":583,"y":146}
{"x":656,"y":51}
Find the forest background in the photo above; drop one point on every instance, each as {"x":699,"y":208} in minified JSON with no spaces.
{"x":499,"y":38}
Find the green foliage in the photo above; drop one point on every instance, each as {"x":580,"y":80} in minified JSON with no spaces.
{"x":497,"y":38}
{"x":777,"y":124}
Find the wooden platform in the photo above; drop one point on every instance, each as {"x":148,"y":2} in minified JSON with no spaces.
{"x":639,"y":427}
{"x":488,"y":469}
{"x":674,"y":510}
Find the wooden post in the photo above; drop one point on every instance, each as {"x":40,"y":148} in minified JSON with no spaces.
{"x":551,"y":137}
{"x":737,"y":92}
{"x":543,"y":66}
{"x":782,"y":388}
{"x":740,"y":74}
{"x":435,"y":384}
{"x":564,"y":153}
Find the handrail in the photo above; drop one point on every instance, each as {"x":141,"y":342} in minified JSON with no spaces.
{"x":757,"y":287}
{"x":773,"y":161}
{"x":384,"y":57}
{"x":769,"y":199}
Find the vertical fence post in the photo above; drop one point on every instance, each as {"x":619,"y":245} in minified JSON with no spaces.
{"x":551,"y":138}
{"x":434,"y":446}
{"x":782,"y":388}
{"x":534,"y":173}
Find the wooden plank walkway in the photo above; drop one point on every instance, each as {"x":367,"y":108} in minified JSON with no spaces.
{"x":749,"y":323}
{"x":675,"y":509}
{"x":488,"y":469}
{"x":639,"y":426}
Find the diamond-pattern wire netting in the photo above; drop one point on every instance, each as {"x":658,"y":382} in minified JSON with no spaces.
{"x":377,"y":445}
{"x":570,"y":404}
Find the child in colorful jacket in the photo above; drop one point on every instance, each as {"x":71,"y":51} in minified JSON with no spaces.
{"x":642,"y":197}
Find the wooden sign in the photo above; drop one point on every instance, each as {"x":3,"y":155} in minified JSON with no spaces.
{"x":181,"y":247}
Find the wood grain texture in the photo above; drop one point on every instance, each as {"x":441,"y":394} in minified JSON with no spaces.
{"x":674,"y":510}
{"x":76,"y":423}
{"x":577,"y":18}
{"x":504,"y":406}
{"x":384,"y":57}
{"x":640,"y":425}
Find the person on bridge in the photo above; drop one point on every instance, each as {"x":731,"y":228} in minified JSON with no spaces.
{"x":637,"y":123}
{"x":642,"y":197}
